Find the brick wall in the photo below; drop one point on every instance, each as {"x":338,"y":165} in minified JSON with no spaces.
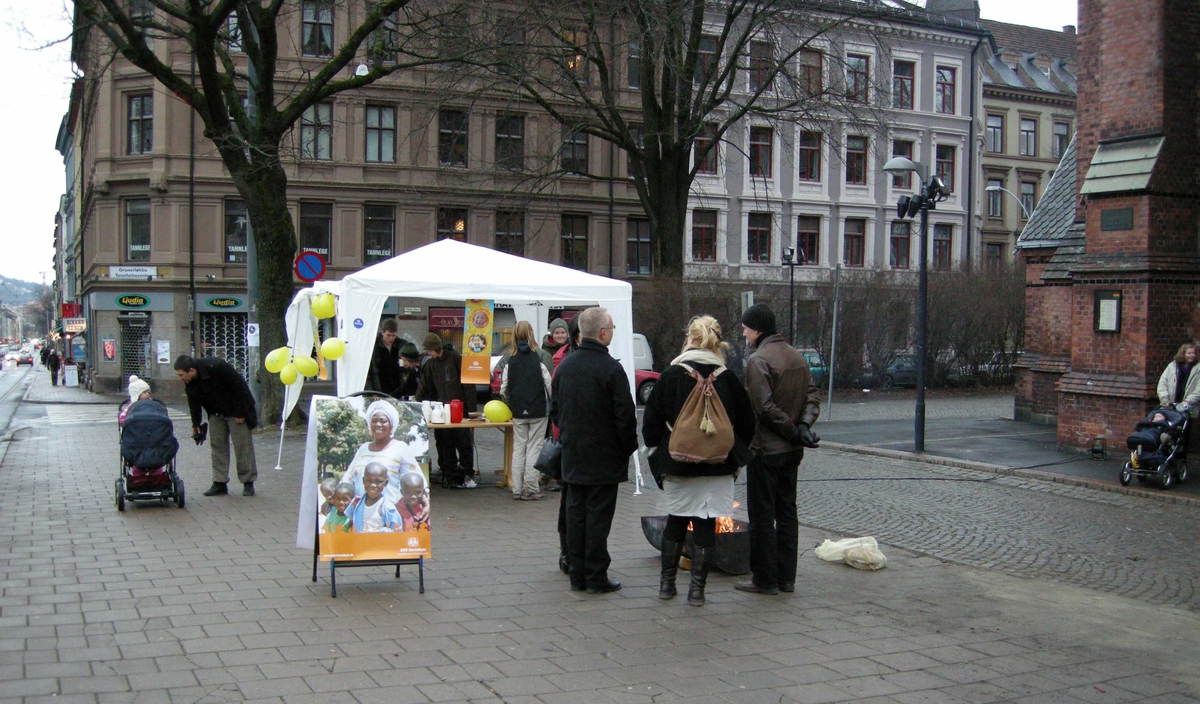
{"x":1083,"y":417}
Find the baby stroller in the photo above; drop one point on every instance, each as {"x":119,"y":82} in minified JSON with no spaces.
{"x":1158,"y":448}
{"x":148,"y":448}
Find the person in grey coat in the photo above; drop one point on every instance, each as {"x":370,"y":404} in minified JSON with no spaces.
{"x":592,"y":405}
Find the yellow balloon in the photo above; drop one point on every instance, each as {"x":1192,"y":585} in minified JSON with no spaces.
{"x":497,"y":412}
{"x":288,"y":374}
{"x":276,"y":358}
{"x":322,"y":306}
{"x":307,"y":366}
{"x":333,"y":348}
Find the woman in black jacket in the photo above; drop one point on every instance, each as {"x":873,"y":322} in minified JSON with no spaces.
{"x":695,"y":493}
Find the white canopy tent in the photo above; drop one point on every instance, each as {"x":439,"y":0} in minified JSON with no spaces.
{"x":451,"y":270}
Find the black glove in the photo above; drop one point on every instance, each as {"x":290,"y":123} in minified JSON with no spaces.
{"x":201,"y":434}
{"x":806,"y":436}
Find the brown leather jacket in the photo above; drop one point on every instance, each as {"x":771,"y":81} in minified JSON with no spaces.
{"x":782,"y":394}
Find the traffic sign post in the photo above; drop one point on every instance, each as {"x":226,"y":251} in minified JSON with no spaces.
{"x":309,"y":267}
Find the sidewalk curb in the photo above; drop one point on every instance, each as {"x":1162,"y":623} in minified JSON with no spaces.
{"x":1000,"y":469}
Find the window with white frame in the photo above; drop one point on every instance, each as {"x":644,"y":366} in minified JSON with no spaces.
{"x":944,"y":90}
{"x":995,"y":198}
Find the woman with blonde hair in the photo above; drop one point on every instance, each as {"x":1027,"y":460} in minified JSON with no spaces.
{"x":1180,"y":381}
{"x":696,"y":493}
{"x":525,"y":386}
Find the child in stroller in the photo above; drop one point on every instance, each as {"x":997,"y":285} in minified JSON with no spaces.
{"x":1158,"y":448}
{"x":148,"y":448}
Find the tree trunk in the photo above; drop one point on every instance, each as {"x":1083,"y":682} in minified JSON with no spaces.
{"x":265,"y":192}
{"x":668,"y":190}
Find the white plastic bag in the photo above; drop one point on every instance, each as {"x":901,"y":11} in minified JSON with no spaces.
{"x":859,"y":553}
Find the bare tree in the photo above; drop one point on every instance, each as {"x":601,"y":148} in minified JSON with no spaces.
{"x":254,"y":82}
{"x":666,"y":81}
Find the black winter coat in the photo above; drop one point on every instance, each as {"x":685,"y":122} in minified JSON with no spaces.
{"x":597,"y":421}
{"x":385,"y":367}
{"x":220,"y":390}
{"x":665,"y":403}
{"x":441,"y":380}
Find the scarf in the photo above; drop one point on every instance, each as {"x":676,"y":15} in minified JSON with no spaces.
{"x":699,"y":356}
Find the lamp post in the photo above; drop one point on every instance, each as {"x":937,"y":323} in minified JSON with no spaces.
{"x":791,"y":261}
{"x":1001,"y":189}
{"x":931,"y":191}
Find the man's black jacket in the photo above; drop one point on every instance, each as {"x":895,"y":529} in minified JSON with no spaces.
{"x":220,"y":390}
{"x":597,"y":421}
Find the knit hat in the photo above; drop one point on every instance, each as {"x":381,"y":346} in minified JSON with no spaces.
{"x":432,"y":342}
{"x":409,"y":352}
{"x":137,"y":387}
{"x":555,"y":324}
{"x":759,"y":317}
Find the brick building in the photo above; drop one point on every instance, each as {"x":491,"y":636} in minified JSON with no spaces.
{"x":1130,"y":292}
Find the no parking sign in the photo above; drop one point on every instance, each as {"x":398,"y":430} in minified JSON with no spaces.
{"x":309,"y":266}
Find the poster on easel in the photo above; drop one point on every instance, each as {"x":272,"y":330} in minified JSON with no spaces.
{"x":477,"y":342}
{"x":365,"y":493}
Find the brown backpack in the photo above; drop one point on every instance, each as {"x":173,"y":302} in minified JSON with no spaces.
{"x":702,"y":433}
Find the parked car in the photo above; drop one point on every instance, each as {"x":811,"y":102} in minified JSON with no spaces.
{"x":643,"y":383}
{"x":901,"y":371}
{"x":643,"y":358}
{"x":817,"y":368}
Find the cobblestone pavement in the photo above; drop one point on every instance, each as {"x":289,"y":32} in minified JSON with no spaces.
{"x":213,"y":603}
{"x":1111,"y":542}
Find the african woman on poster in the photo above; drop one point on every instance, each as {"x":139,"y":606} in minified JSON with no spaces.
{"x":382,"y":422}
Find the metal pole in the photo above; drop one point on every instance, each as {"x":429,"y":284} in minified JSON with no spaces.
{"x":791,"y":302}
{"x":252,"y":360}
{"x":922,"y":314}
{"x":192,"y":220}
{"x":837,"y":280}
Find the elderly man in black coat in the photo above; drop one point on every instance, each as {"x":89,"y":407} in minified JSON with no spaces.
{"x":593,"y":408}
{"x":213,"y":385}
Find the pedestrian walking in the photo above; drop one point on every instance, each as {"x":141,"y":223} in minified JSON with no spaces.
{"x":525,"y":386}
{"x":592,"y":406}
{"x":213,"y":385}
{"x":786,"y":405}
{"x":441,"y":381}
{"x":53,"y":363}
{"x":697,"y":493}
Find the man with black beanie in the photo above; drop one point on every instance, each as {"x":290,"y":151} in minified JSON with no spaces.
{"x":786,"y":405}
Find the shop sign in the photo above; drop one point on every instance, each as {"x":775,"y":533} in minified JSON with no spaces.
{"x":224,"y":303}
{"x":446,"y":318}
{"x":73,"y":325}
{"x":132,"y":301}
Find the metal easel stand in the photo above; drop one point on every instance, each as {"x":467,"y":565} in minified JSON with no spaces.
{"x":334,"y":566}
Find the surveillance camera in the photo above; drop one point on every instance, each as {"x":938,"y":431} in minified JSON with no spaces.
{"x":149,"y":278}
{"x":211,"y":277}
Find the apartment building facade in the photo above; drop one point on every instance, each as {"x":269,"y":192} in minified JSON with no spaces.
{"x":1029,"y":115}
{"x":155,"y":249}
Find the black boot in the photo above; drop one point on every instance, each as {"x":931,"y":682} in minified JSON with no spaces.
{"x":671,"y":551}
{"x":217,"y":489}
{"x":563,"y":563}
{"x":701,"y":561}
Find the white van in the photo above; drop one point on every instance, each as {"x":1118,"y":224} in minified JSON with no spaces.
{"x":643,"y":358}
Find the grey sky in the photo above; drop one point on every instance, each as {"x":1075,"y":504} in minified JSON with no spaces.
{"x":37,"y":84}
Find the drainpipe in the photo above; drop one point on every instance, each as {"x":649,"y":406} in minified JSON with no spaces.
{"x":971,"y":161}
{"x":192,"y":220}
{"x":612,"y":48}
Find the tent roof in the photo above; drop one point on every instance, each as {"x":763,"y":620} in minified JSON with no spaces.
{"x":456,"y":270}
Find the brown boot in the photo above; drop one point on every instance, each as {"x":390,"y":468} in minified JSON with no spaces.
{"x":671,"y":552}
{"x":701,"y":561}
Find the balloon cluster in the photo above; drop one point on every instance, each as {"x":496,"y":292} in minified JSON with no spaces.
{"x":290,"y":368}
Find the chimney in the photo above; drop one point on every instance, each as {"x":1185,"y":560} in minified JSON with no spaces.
{"x":1069,"y":29}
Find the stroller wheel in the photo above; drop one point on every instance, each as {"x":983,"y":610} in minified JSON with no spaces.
{"x":1166,"y":477}
{"x":1126,"y":475}
{"x":179,"y":493}
{"x":120,"y":496}
{"x":1181,"y":474}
